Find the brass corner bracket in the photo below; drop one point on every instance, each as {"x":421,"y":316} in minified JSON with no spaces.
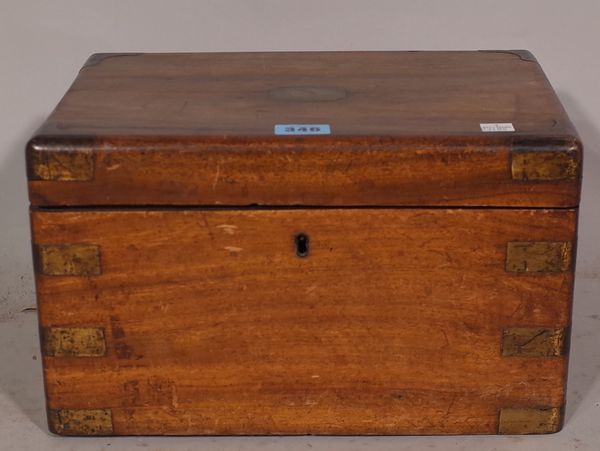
{"x":539,"y":256}
{"x":534,"y":342}
{"x":530,"y":420}
{"x":80,"y":421}
{"x":544,"y":165}
{"x":61,"y":165}
{"x":68,"y":259}
{"x":73,"y":342}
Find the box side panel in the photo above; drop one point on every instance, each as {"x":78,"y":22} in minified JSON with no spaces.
{"x":426,"y":171}
{"x":396,"y":321}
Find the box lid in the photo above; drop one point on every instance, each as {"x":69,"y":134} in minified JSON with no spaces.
{"x":477,"y":128}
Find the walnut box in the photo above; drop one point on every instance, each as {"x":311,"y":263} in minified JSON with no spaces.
{"x":305,"y":243}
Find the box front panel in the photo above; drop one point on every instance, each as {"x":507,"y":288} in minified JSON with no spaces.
{"x":294,"y":321}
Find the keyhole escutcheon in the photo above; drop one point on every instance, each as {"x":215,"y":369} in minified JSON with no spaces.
{"x":301,"y":241}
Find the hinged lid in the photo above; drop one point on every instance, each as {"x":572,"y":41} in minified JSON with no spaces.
{"x":308,"y":128}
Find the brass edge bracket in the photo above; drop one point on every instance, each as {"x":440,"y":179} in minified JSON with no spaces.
{"x":68,"y":259}
{"x":73,"y":342}
{"x":539,"y":256}
{"x":539,"y":165}
{"x":530,"y":420}
{"x":80,"y":421}
{"x":534,"y":342}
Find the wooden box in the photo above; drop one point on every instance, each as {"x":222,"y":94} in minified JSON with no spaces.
{"x":305,"y":243}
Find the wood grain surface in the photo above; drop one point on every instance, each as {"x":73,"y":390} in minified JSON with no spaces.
{"x":392,"y":324}
{"x":198,"y":129}
{"x":358,"y":93}
{"x":421,"y":172}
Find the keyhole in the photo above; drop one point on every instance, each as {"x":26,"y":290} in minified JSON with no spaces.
{"x":301,"y":241}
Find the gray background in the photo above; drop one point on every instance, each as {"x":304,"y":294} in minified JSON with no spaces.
{"x":43,"y":44}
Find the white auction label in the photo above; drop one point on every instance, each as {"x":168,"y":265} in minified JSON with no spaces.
{"x":302,"y":129}
{"x":497,"y":127}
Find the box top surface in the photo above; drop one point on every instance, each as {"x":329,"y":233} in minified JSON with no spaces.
{"x":355,"y":93}
{"x":430,"y":119}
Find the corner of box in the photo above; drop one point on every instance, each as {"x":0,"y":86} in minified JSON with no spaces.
{"x":96,"y":58}
{"x":60,"y":158}
{"x":530,"y":420}
{"x":523,"y":54}
{"x":80,"y":422}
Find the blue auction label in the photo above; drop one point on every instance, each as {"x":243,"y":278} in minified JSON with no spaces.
{"x":302,"y":129}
